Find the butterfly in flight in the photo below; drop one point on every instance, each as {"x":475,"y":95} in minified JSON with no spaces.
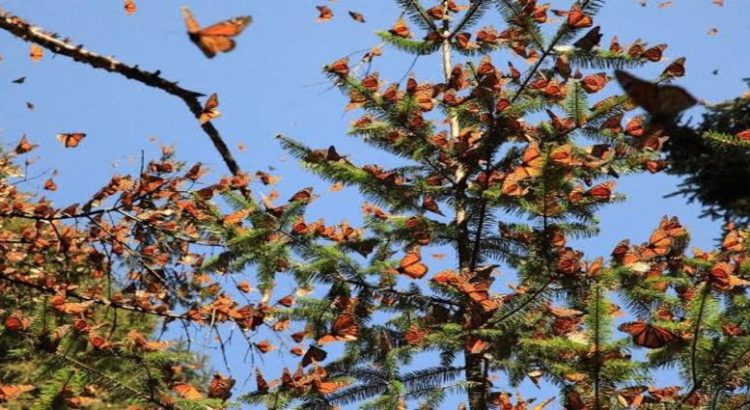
{"x":663,"y":102}
{"x":71,"y":140}
{"x":217,"y":38}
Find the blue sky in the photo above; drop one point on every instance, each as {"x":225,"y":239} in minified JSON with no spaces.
{"x":272,"y":83}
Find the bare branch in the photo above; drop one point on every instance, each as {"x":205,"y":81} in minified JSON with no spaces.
{"x":25,"y":31}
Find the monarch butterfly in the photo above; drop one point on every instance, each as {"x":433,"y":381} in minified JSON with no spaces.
{"x":130,"y":7}
{"x":734,"y":240}
{"x":614,"y":45}
{"x":415,"y":335}
{"x":356,"y":16}
{"x":11,"y":392}
{"x":215,"y":38}
{"x":16,"y":322}
{"x":344,"y":329}
{"x":36,"y":52}
{"x":261,"y":382}
{"x":663,"y":102}
{"x":631,"y":397}
{"x":24,"y":146}
{"x":71,"y":140}
{"x":659,"y":244}
{"x":647,"y":335}
{"x":579,"y":19}
{"x":672,"y":226}
{"x":720,"y":274}
{"x":286,"y":301}
{"x":313,"y":355}
{"x":590,"y":40}
{"x":664,"y":393}
{"x":303,"y":196}
{"x":532,"y":162}
{"x":299,"y":336}
{"x":594,"y":82}
{"x":676,"y":68}
{"x":328,"y":387}
{"x":400,"y":29}
{"x":220,"y":387}
{"x":654,"y":53}
{"x":325,"y":13}
{"x":339,"y":67}
{"x":98,"y":342}
{"x":264,"y":346}
{"x":210,"y":109}
{"x":411,"y":265}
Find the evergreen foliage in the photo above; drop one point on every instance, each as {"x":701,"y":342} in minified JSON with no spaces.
{"x":713,"y":153}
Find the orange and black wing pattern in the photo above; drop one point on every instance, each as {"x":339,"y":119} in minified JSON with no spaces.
{"x":217,"y":38}
{"x":647,"y":335}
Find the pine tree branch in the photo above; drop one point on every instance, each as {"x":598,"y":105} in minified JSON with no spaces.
{"x":520,"y":307}
{"x":697,"y":384}
{"x":83,"y":366}
{"x":104,"y":302}
{"x":597,"y":347}
{"x":470,"y":15}
{"x":561,"y":32}
{"x":25,"y":31}
{"x":420,"y":11}
{"x":434,"y":300}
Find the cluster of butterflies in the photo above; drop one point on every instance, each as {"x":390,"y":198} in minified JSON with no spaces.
{"x":662,"y":101}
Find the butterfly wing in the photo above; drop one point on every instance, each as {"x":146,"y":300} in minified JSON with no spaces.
{"x":210,"y":110}
{"x":190,"y":22}
{"x":412,"y":266}
{"x":345,"y":327}
{"x":228,"y":28}
{"x":672,"y":100}
{"x":643,"y":93}
{"x":665,"y":101}
{"x":648,"y":335}
{"x":71,"y":140}
{"x":655,"y":337}
{"x":313,"y":354}
{"x":216,"y":38}
{"x":211,"y":45}
{"x":589,"y":40}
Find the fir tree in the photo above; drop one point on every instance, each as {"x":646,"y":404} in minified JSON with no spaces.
{"x":500,"y":184}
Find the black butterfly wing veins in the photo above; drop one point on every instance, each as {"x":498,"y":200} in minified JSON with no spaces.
{"x":215,"y":38}
{"x":662,"y":102}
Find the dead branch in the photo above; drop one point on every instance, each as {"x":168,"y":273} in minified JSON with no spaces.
{"x":25,"y":31}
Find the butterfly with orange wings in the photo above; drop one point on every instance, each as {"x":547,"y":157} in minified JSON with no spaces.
{"x":216,"y":38}
{"x":71,"y":140}
{"x":663,"y":102}
{"x":344,"y":329}
{"x":647,"y":335}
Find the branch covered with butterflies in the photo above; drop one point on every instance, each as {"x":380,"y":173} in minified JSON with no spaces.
{"x":487,"y":178}
{"x":463,"y":276}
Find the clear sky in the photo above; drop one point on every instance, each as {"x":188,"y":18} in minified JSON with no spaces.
{"x":272,"y":83}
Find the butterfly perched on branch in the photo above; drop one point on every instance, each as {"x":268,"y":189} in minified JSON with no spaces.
{"x":647,"y":335}
{"x":216,"y":38}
